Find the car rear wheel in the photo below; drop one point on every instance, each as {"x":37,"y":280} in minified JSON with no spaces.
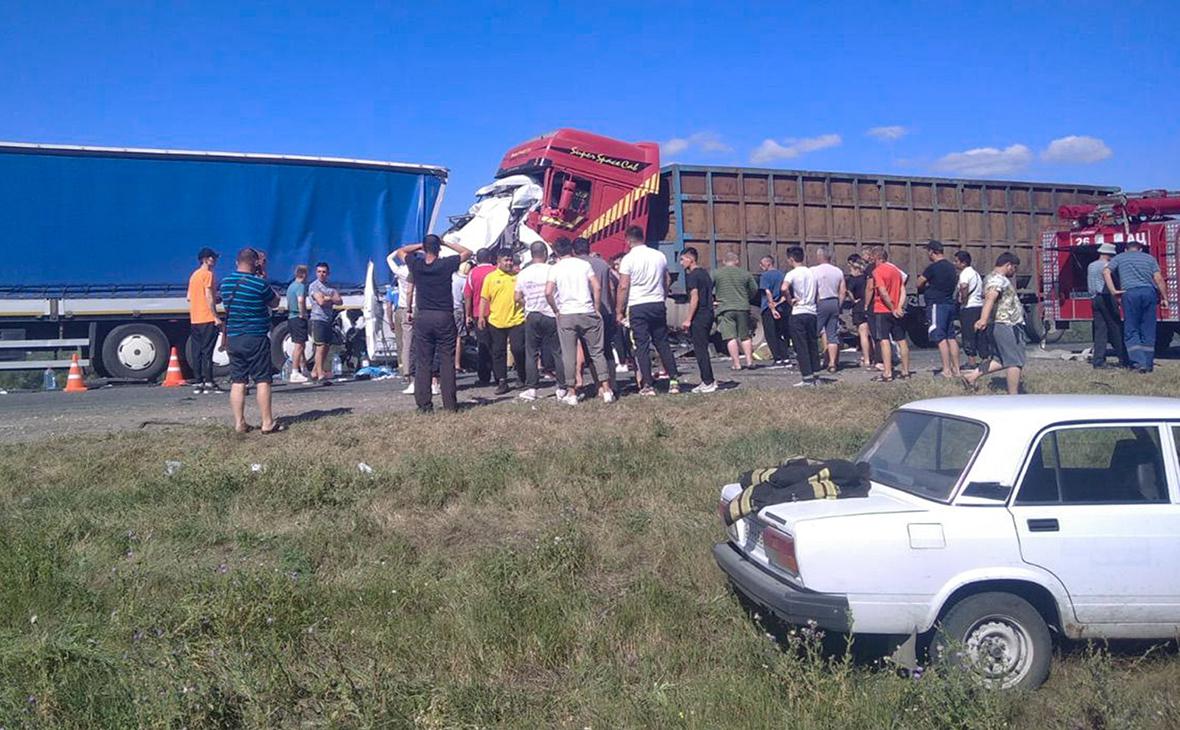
{"x":999,"y":638}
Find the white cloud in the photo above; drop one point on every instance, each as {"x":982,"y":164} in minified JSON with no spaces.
{"x":703,"y":141}
{"x":888,"y":134}
{"x":985,"y":161}
{"x":1076,"y":149}
{"x":771,"y":150}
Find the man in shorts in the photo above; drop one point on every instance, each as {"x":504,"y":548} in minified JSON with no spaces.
{"x":323,"y":299}
{"x":734,"y":288}
{"x":248,"y":300}
{"x":888,"y":284}
{"x":1003,"y":319}
{"x":297,"y":322}
{"x":939,"y":284}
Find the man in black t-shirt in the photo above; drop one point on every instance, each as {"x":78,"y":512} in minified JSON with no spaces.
{"x":435,"y":331}
{"x":699,"y":322}
{"x":939,"y":284}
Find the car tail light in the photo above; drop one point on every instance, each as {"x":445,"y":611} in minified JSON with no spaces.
{"x":780,"y":548}
{"x":722,"y":510}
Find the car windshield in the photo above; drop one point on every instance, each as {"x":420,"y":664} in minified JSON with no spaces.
{"x":922,"y":453}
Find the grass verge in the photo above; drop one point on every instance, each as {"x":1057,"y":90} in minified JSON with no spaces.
{"x":511,"y":566}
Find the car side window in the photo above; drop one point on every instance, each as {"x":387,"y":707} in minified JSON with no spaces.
{"x":1096,"y":465}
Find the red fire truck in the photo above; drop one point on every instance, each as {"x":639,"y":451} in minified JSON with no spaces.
{"x":1065,"y":254}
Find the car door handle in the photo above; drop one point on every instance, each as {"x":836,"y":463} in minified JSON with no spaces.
{"x":1046,"y":525}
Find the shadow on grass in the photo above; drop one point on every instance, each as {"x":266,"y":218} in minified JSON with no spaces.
{"x":315,"y":415}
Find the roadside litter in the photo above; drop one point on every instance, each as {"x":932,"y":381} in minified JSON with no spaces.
{"x":364,"y":468}
{"x":171,"y":467}
{"x":374,"y":372}
{"x":257,"y":468}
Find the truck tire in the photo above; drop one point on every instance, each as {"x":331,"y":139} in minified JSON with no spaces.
{"x":220,"y":356}
{"x":999,"y":638}
{"x":1034,"y":326}
{"x":281,"y":346}
{"x":135,"y":352}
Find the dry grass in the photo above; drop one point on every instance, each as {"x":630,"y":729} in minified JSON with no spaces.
{"x":509,"y":566}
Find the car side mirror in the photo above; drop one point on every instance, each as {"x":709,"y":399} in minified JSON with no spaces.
{"x":987,"y":490}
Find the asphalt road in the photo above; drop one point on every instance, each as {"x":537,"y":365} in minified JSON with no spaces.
{"x":28,"y":416}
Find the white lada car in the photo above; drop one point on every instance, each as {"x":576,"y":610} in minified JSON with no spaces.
{"x":993,"y":525}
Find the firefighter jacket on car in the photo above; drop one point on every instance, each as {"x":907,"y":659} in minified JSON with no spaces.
{"x":798,"y":479}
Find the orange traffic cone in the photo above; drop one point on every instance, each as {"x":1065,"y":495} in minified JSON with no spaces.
{"x":173,"y":379}
{"x":74,"y":382}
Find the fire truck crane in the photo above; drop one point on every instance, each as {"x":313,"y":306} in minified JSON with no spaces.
{"x":1147,"y":217}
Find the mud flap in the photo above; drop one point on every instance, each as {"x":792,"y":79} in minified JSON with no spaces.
{"x":905,"y":657}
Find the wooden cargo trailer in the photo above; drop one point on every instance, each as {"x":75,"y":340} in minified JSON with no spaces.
{"x":761,"y":211}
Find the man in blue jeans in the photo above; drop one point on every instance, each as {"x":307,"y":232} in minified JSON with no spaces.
{"x":1139,"y":281}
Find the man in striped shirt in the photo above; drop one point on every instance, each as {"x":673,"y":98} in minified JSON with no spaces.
{"x":248,"y":300}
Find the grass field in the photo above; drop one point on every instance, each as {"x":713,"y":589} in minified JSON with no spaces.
{"x":508,"y":566}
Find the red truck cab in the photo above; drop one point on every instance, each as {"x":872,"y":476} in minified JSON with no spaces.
{"x":594,"y":186}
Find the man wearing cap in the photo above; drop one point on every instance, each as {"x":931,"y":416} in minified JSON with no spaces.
{"x":1108,"y":328}
{"x":1139,"y":282}
{"x":204,"y":323}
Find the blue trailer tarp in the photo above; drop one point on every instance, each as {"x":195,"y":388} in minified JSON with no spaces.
{"x":123,"y":220}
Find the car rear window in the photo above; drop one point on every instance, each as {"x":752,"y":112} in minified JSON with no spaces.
{"x":923,"y":453}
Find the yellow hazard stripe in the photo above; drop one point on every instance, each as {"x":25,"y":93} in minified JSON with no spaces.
{"x":624,"y":206}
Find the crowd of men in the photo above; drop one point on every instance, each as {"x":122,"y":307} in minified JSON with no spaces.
{"x":571,"y":317}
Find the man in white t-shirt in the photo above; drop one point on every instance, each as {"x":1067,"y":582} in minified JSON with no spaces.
{"x":970,"y":299}
{"x":829,"y":297}
{"x":800,"y":289}
{"x":574,"y":293}
{"x":643,"y":286}
{"x":540,"y":321}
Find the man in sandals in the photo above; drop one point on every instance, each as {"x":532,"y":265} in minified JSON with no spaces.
{"x":248,"y":300}
{"x":1003,"y":318}
{"x":888,"y":310}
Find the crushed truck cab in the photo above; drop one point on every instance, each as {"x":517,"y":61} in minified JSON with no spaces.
{"x":992,"y":525}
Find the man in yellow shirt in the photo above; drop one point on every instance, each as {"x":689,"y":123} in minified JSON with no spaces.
{"x":503,"y":317}
{"x":204,"y":323}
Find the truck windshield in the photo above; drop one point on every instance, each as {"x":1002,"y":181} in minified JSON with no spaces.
{"x":922,"y":453}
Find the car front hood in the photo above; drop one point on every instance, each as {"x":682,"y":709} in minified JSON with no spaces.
{"x":881,"y":500}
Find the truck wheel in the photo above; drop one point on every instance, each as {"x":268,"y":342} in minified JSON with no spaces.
{"x":281,"y":347}
{"x":135,"y":352}
{"x":220,"y":356}
{"x":1034,"y":326}
{"x":998,"y":637}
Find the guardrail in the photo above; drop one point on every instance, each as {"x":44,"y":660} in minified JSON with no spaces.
{"x":71,"y":343}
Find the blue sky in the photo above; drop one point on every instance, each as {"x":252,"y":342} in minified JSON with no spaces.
{"x":1076,"y":92}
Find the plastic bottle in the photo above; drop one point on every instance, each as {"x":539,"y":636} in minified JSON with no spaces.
{"x":49,"y":380}
{"x":337,"y":365}
{"x":288,"y":366}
